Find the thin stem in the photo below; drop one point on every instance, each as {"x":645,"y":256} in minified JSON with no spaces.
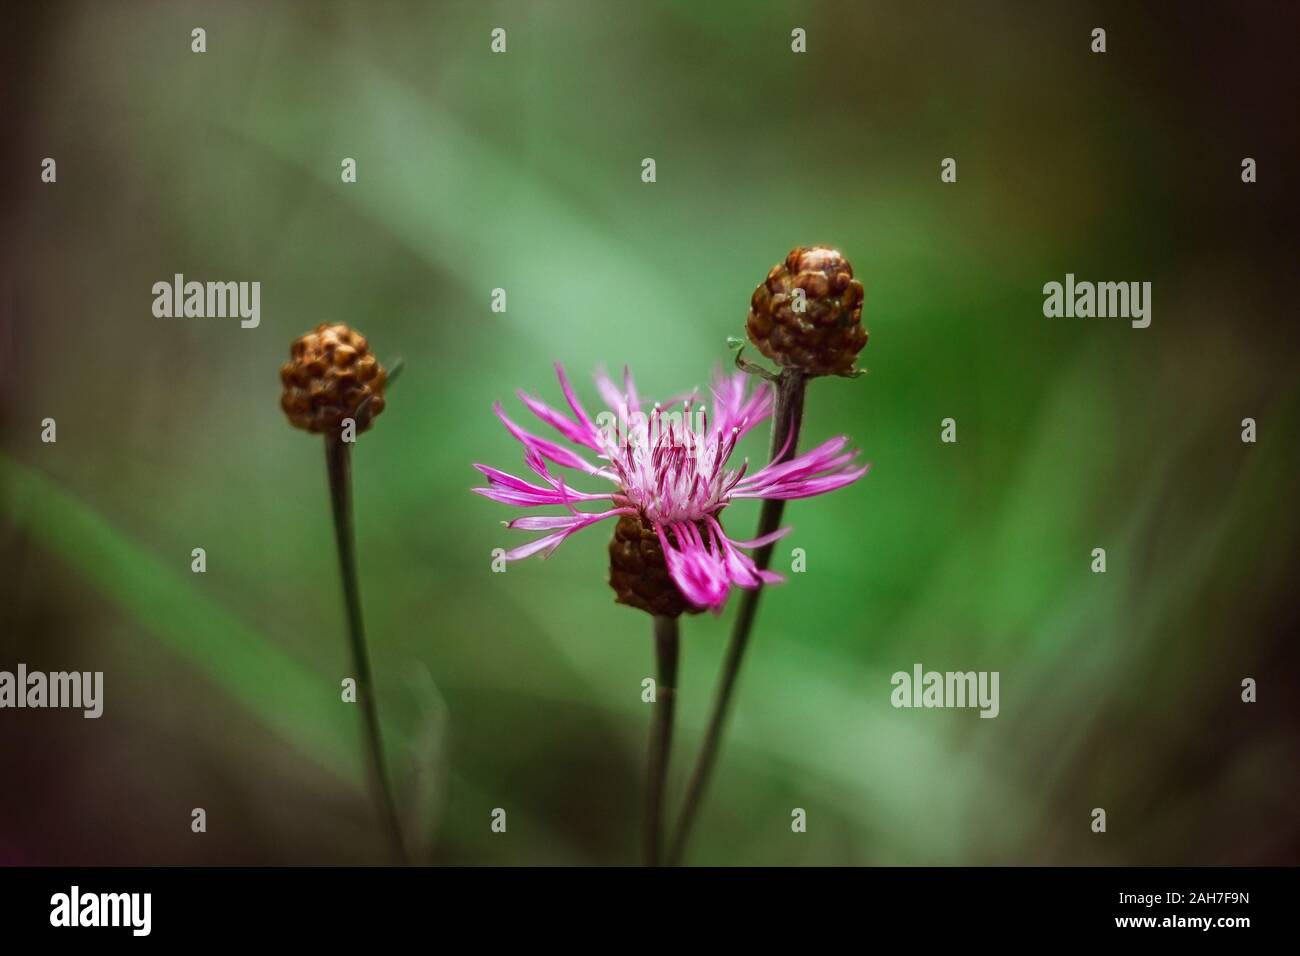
{"x":787,"y":418}
{"x":338,"y":464}
{"x":661,"y":734}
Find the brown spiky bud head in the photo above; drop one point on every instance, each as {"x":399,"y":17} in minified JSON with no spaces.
{"x":807,"y":314}
{"x":638,"y":573}
{"x":331,"y":375}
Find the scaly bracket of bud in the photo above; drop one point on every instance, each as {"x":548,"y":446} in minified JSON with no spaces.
{"x":331,"y":376}
{"x":807,"y":314}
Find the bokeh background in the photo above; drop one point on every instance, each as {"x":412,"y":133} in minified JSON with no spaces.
{"x":522,"y":690}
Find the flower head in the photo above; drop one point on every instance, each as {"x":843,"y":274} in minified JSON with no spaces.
{"x":670,"y":469}
{"x":807,"y":313}
{"x":331,"y":375}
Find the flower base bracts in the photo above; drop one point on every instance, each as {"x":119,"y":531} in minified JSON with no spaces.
{"x":638,"y":572}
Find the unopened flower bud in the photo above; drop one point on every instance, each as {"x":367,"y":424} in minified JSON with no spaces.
{"x":332,"y":376}
{"x":807,"y":314}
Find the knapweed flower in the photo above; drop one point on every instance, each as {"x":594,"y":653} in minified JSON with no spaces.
{"x":672,"y":478}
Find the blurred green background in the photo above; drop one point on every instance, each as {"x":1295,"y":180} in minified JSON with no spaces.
{"x":522,"y":171}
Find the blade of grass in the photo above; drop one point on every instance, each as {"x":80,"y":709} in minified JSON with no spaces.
{"x":298,"y":703}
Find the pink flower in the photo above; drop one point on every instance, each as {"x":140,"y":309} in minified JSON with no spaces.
{"x":670,"y":468}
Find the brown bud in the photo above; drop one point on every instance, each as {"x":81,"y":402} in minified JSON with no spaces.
{"x":330,"y":376}
{"x":827,"y":335}
{"x":638,"y":573}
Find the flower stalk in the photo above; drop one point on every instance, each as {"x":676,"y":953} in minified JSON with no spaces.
{"x":667,"y":482}
{"x":338,"y":465}
{"x":334,"y":386}
{"x":807,"y":317}
{"x":787,"y":419}
{"x":661,"y":734}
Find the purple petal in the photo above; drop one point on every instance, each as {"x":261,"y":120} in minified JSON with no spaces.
{"x":629,"y":389}
{"x":551,"y":522}
{"x":550,"y":542}
{"x":733,"y":408}
{"x":525,"y":499}
{"x":571,"y":430}
{"x":697,"y":573}
{"x":609,"y":393}
{"x":758,"y":542}
{"x":807,"y":487}
{"x":578,"y":411}
{"x":500,"y":479}
{"x":818,"y":459}
{"x":548,"y":449}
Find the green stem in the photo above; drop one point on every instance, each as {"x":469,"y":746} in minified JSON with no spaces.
{"x":787,"y":418}
{"x":338,"y":464}
{"x":661,"y":734}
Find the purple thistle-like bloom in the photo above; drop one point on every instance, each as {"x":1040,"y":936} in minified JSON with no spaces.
{"x":669,"y":468}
